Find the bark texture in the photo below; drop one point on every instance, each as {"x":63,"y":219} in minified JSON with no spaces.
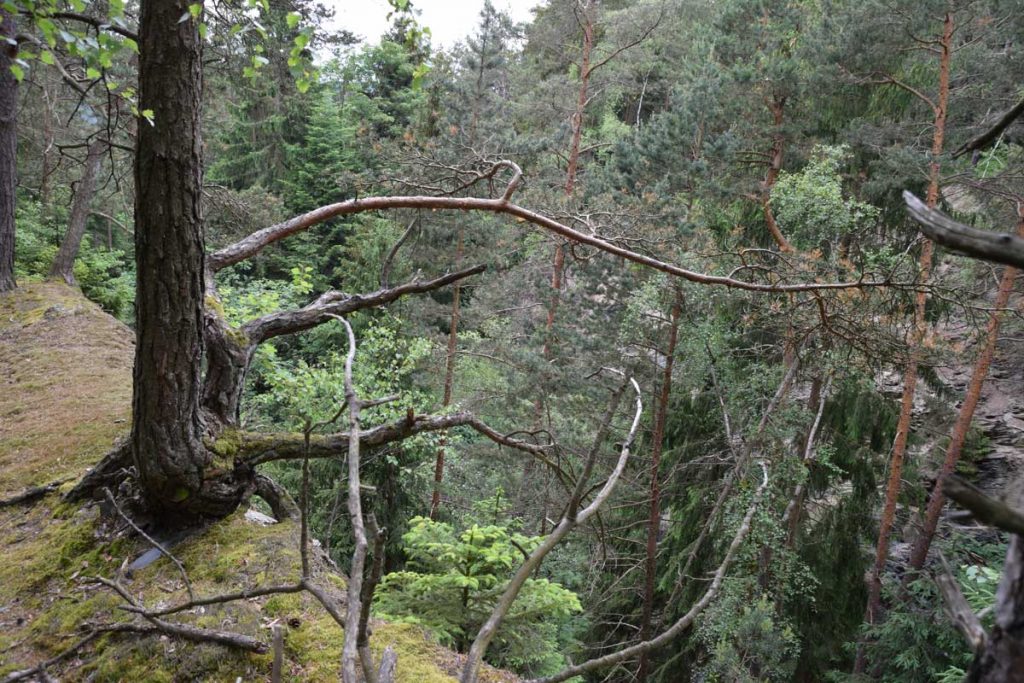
{"x":8,"y":149}
{"x":167,"y":425}
{"x":64,"y":262}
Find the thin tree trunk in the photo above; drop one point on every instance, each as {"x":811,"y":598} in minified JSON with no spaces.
{"x":777,"y":106}
{"x":64,"y":263}
{"x":874,"y":579}
{"x":8,"y":148}
{"x":963,"y":421}
{"x":654,"y":519}
{"x":449,"y":380}
{"x":167,"y":425}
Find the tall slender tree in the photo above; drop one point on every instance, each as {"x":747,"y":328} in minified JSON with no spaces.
{"x":8,"y":145}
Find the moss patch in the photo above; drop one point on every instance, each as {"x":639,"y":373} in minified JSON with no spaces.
{"x":65,"y":395}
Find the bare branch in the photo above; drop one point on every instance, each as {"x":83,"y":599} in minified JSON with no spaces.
{"x":385,"y":268}
{"x":254,"y":243}
{"x":687,"y":619}
{"x":336,"y":303}
{"x":568,"y":522}
{"x":982,"y":141}
{"x":991,"y":246}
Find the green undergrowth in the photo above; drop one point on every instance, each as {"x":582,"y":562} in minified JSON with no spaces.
{"x":66,"y":403}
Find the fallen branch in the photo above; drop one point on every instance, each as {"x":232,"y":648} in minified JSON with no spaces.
{"x":32,"y":494}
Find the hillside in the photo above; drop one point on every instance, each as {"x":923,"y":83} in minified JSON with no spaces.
{"x":65,"y":400}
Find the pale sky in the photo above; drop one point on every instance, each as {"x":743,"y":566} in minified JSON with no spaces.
{"x":449,"y":20}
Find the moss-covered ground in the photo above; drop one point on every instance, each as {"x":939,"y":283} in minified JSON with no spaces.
{"x":65,"y":393}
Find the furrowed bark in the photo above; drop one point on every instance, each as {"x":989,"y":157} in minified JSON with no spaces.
{"x":963,"y":421}
{"x":64,"y":262}
{"x":8,"y":148}
{"x":167,"y":422}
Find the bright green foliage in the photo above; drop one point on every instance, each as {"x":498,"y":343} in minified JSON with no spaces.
{"x":810,"y":206}
{"x":453,"y":579}
{"x":745,"y":637}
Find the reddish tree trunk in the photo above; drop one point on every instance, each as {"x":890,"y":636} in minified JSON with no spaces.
{"x":874,"y":581}
{"x":8,"y":149}
{"x":654,"y":519}
{"x":777,"y":106}
{"x":64,"y":263}
{"x":963,"y":421}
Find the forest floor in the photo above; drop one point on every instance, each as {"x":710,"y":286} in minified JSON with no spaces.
{"x":65,"y":399}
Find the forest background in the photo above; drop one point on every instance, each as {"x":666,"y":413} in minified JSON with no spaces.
{"x":766,"y":144}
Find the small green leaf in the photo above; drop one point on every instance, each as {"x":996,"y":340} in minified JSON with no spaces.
{"x":19,"y":73}
{"x":148,"y":115}
{"x":302,"y":85}
{"x":46,"y":57}
{"x":131,"y":45}
{"x":92,"y":72}
{"x":202,"y":30}
{"x":301,"y":40}
{"x":111,"y":86}
{"x":292,"y":19}
{"x":195,"y":9}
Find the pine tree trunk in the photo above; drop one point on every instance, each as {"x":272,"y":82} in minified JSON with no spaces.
{"x":874,"y":579}
{"x":64,"y":263}
{"x":654,"y":518}
{"x":8,"y":149}
{"x":777,"y":105}
{"x":963,"y":421}
{"x":174,"y":468}
{"x":1002,"y":659}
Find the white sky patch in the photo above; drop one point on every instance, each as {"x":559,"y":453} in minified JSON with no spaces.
{"x":449,"y":21}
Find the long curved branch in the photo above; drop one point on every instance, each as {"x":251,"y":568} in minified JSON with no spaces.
{"x":254,"y":243}
{"x":339,"y":303}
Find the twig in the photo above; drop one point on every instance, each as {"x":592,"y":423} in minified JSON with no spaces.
{"x":152,"y":541}
{"x":32,"y":494}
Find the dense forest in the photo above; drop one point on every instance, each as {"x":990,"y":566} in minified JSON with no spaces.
{"x":648,"y":340}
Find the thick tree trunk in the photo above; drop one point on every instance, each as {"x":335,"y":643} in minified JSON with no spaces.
{"x":174,"y":468}
{"x":963,"y":421}
{"x":64,"y":263}
{"x":8,"y":149}
{"x":874,"y":579}
{"x":654,"y":518}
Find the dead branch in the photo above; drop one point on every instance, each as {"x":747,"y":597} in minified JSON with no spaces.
{"x":185,"y":631}
{"x":984,"y":509}
{"x":985,"y":139}
{"x":258,"y":448}
{"x":385,"y":268}
{"x":336,"y":303}
{"x":152,"y":541}
{"x":959,"y":611}
{"x":254,"y":243}
{"x":569,"y":521}
{"x":31,"y":495}
{"x":990,"y":246}
{"x":40,"y":669}
{"x":687,"y":619}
